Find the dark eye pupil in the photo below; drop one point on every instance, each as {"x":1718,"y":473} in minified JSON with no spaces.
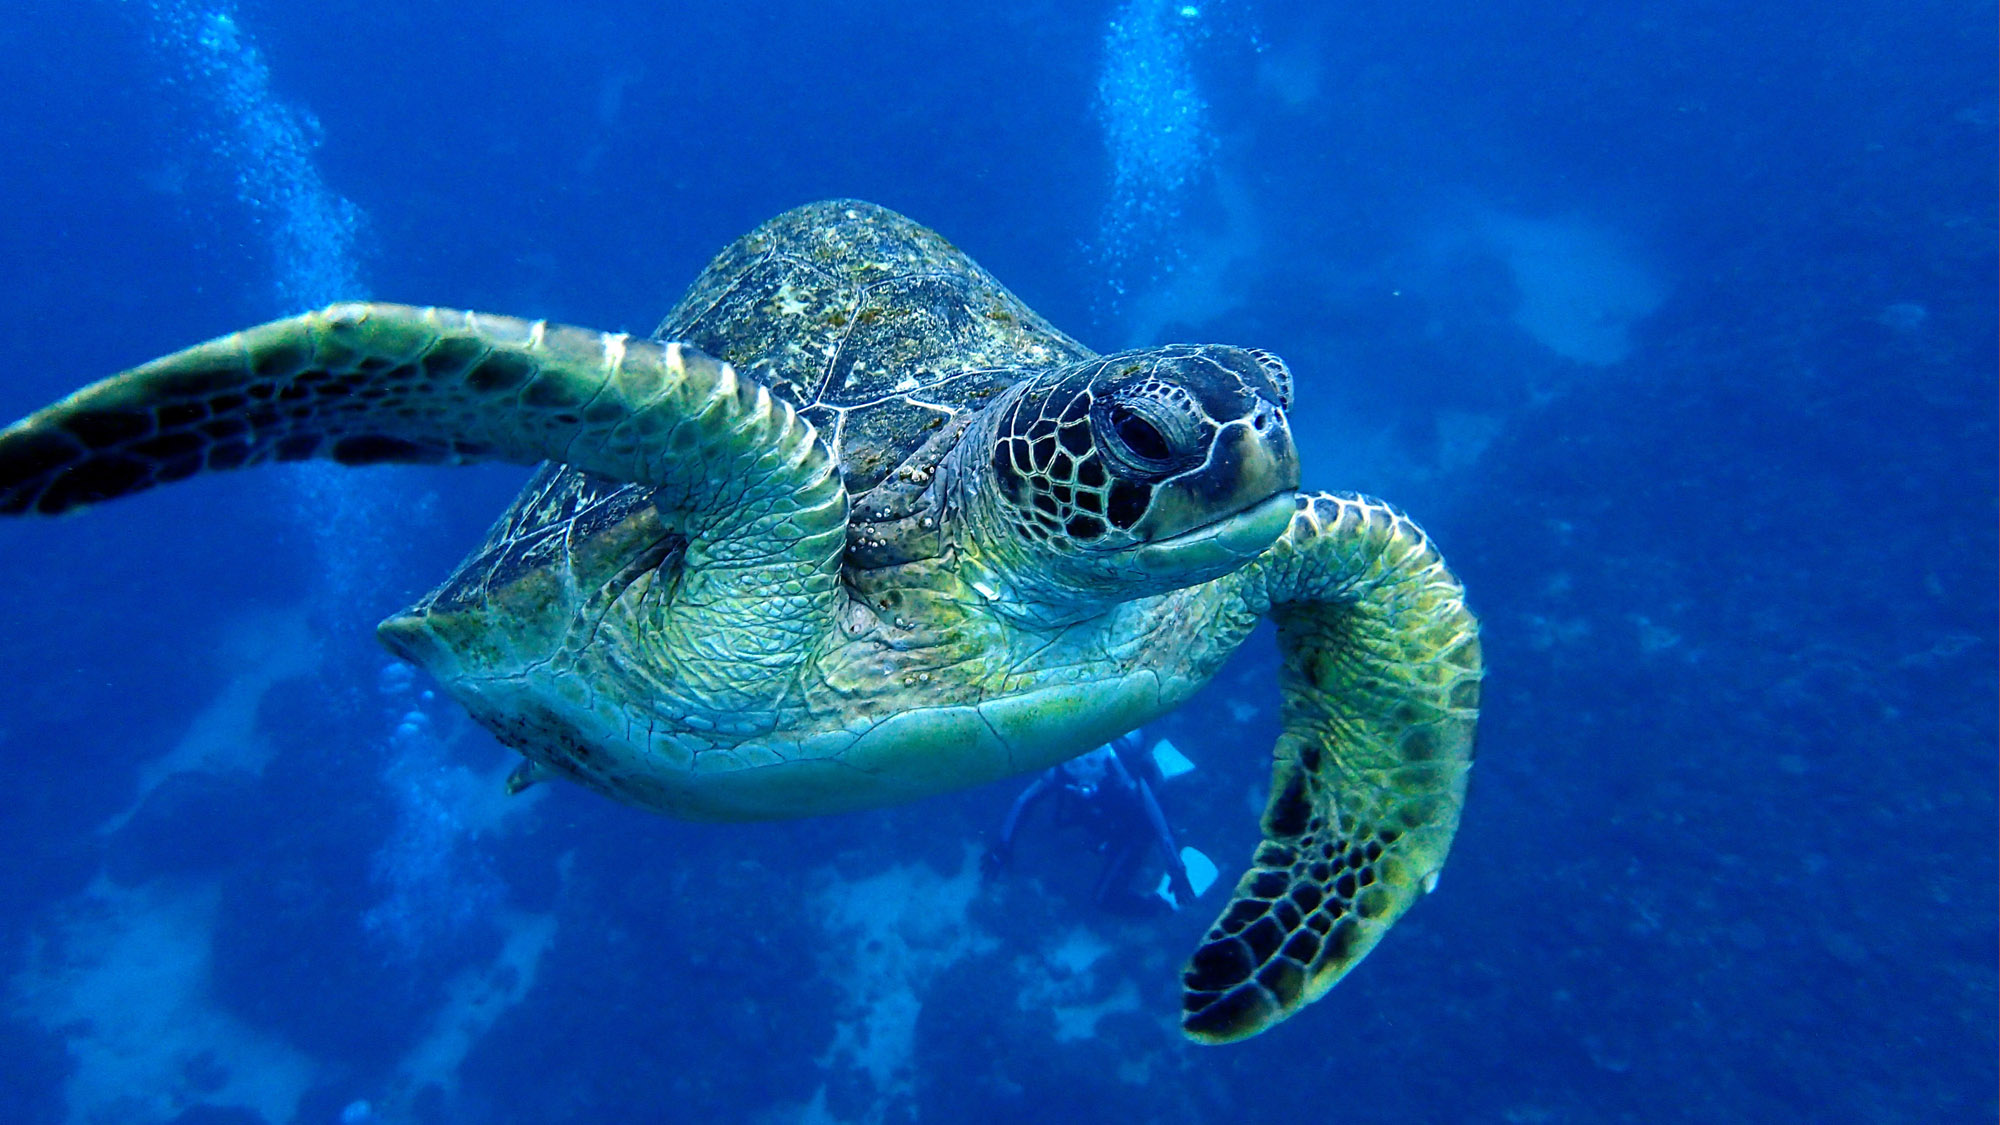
{"x":1140,"y":436}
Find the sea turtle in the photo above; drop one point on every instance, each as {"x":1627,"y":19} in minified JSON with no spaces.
{"x":857,"y":526}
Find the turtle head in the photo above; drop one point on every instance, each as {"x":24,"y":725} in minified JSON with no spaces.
{"x":1133,"y":474}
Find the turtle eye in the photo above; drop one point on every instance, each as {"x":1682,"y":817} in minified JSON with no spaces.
{"x":1149,"y":437}
{"x":1142,"y":439}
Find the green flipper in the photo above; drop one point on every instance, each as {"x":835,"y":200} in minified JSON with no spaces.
{"x":735,"y":470}
{"x":366,"y":384}
{"x":1381,"y":671}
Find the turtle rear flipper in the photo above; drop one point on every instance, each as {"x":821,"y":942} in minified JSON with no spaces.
{"x":1381,"y":671}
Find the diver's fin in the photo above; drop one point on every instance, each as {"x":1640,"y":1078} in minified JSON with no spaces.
{"x":1201,"y":870}
{"x":526,"y":775}
{"x":1201,"y":874}
{"x":1171,"y":762}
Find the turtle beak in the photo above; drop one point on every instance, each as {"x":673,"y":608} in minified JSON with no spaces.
{"x":1217,"y":548}
{"x":1251,"y":460}
{"x":1227,"y":510}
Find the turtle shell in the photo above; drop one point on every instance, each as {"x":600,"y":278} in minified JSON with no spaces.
{"x":880,"y":332}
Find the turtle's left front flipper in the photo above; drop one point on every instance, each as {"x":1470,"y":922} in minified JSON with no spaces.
{"x":1381,"y":672}
{"x":365,"y":384}
{"x":729,"y":467}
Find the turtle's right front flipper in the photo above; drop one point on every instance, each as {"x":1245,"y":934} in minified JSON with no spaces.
{"x":368,"y":384}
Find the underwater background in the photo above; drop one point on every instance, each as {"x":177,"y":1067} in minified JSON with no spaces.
{"x":1672,"y":320}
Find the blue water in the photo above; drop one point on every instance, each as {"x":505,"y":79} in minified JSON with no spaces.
{"x":1673,"y":322}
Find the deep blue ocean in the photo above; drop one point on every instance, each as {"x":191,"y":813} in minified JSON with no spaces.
{"x":1673,"y":321}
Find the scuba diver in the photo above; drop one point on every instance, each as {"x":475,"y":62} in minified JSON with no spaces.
{"x":1109,"y":792}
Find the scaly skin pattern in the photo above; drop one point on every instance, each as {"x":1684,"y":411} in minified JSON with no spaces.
{"x":1381,"y":675}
